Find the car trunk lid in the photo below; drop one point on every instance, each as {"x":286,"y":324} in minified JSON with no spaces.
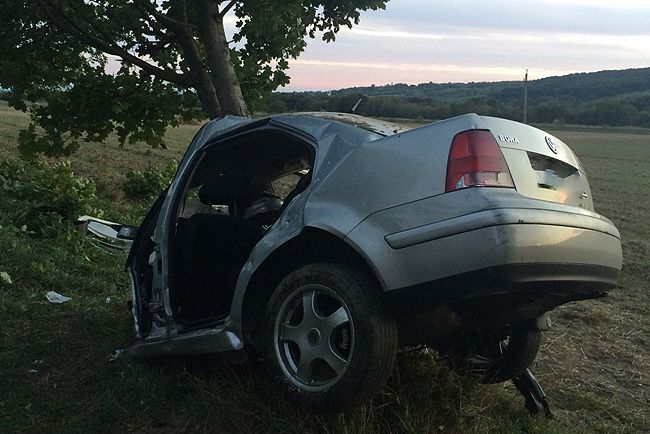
{"x":542,"y":166}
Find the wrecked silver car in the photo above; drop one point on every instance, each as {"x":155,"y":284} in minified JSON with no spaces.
{"x":324,"y":242}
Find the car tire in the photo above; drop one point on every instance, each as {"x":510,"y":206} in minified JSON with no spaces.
{"x":496,"y":361}
{"x":329,"y":341}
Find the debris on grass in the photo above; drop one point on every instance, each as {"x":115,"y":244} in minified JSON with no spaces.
{"x":116,"y":354}
{"x":55,"y":297}
{"x":5,"y":278}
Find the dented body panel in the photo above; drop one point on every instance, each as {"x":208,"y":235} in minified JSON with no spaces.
{"x":382,"y":192}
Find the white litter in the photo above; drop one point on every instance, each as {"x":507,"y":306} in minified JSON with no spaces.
{"x":55,"y":297}
{"x":5,"y":277}
{"x":116,"y":354}
{"x":108,"y":300}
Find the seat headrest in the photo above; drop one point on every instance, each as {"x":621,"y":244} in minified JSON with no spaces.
{"x":226,"y":189}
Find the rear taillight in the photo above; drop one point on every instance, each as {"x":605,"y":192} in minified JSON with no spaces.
{"x":475,"y":160}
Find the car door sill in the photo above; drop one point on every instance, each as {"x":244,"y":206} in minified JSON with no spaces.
{"x":196,"y":342}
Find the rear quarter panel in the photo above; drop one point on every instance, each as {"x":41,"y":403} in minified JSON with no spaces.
{"x":384,"y":173}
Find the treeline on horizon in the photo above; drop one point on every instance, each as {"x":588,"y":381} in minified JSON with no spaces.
{"x":608,"y":98}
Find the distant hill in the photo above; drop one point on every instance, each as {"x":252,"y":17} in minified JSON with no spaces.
{"x":617,"y":98}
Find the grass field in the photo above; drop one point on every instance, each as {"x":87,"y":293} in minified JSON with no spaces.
{"x":56,"y":373}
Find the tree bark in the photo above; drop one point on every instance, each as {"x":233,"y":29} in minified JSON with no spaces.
{"x":179,"y":25}
{"x":224,"y":78}
{"x":202,"y":84}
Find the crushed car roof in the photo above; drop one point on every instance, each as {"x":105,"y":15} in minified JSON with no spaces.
{"x":378,"y":126}
{"x":319,"y":125}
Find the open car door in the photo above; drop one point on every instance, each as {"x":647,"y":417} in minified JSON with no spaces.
{"x":109,"y":236}
{"x":139,"y":263}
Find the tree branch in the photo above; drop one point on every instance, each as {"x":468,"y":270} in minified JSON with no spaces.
{"x":204,"y":87}
{"x":146,"y":6}
{"x":224,"y":77}
{"x":109,"y":47}
{"x":229,"y":6}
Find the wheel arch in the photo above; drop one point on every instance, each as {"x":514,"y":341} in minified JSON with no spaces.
{"x":312,"y":245}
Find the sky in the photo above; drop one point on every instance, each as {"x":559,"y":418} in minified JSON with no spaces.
{"x":470,"y":40}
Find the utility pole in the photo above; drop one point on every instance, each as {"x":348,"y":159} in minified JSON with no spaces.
{"x":356,"y":105}
{"x":526,"y":96}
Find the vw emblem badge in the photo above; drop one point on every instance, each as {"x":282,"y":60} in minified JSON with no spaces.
{"x":551,"y":144}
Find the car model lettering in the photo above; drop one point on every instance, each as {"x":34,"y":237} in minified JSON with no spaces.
{"x":509,"y":139}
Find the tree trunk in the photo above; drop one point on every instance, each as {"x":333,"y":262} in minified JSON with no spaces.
{"x":202,"y":84}
{"x":200,"y":77}
{"x":224,"y":79}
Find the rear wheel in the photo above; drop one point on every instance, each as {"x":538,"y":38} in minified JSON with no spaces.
{"x":495,"y":357}
{"x":329,"y":341}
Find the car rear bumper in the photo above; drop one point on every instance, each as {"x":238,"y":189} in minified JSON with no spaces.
{"x":492,"y":267}
{"x":549,"y":239}
{"x":550,"y":283}
{"x":517,"y":217}
{"x":493,"y":297}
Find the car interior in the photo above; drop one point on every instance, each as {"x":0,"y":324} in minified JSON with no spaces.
{"x":234,"y":196}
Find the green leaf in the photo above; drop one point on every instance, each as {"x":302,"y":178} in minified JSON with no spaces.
{"x":54,"y":63}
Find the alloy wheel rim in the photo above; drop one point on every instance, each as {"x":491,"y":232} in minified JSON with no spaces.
{"x":314,"y":337}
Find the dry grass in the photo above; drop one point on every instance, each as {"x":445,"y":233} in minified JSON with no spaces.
{"x":596,"y":360}
{"x":106,"y":163}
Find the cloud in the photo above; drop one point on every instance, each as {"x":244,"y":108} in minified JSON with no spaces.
{"x":419,"y":67}
{"x":462,"y":40}
{"x":328,"y":74}
{"x":572,"y":16}
{"x":475,"y":40}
